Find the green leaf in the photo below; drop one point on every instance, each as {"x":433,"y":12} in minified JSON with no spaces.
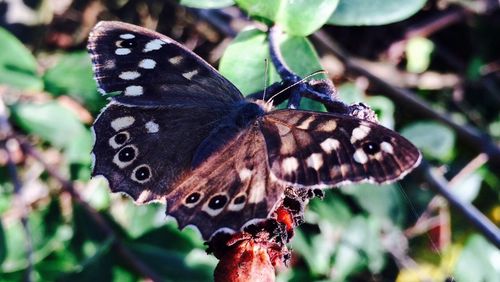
{"x":243,"y":62}
{"x":433,"y":139}
{"x":18,"y":67}
{"x":360,"y":247}
{"x":481,"y":257}
{"x":418,"y":54}
{"x":383,"y":202}
{"x":374,"y":12}
{"x":468,"y":187}
{"x":207,"y":4}
{"x":96,"y":267}
{"x":56,"y":125}
{"x":73,"y":76}
{"x":174,"y":265}
{"x":296,"y":17}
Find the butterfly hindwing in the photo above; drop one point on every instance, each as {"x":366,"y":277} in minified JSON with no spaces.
{"x":229,"y":189}
{"x":311,"y":149}
{"x":150,"y":69}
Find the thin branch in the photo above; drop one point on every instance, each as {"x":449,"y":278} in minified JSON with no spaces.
{"x":479,"y":220}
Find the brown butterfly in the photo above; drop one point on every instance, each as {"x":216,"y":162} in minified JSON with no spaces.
{"x":180,"y":133}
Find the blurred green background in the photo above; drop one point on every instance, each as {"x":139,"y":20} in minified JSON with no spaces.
{"x":57,"y":224}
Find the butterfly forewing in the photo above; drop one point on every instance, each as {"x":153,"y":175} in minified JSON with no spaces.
{"x":150,"y":69}
{"x":142,"y":151}
{"x":309,"y":149}
{"x":229,"y":189}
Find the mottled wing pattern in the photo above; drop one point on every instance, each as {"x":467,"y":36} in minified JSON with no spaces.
{"x":229,"y":189}
{"x":323,"y":150}
{"x":150,"y":69}
{"x":143,"y":151}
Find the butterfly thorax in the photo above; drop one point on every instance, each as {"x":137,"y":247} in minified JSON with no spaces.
{"x":243,"y":114}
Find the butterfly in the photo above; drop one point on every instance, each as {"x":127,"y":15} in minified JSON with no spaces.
{"x":179,"y":133}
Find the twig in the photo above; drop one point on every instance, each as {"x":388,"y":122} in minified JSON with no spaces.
{"x":479,"y":220}
{"x":99,"y":221}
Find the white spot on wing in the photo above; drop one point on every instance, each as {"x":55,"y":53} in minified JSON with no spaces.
{"x":315,"y":161}
{"x":290,"y":165}
{"x":147,"y":64}
{"x":152,"y":45}
{"x":329,"y":145}
{"x":360,"y":133}
{"x":189,"y":75}
{"x":127,"y":36}
{"x":306,"y":123}
{"x":133,"y":90}
{"x":129,"y":75}
{"x":144,"y":197}
{"x":360,"y":156}
{"x":387,"y":147}
{"x":122,"y":51}
{"x":175,"y":60}
{"x":152,"y":127}
{"x":327,"y":126}
{"x":257,"y":192}
{"x":245,"y":174}
{"x":122,"y":122}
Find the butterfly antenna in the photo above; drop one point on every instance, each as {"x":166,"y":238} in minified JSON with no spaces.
{"x":300,"y":81}
{"x":266,"y":69}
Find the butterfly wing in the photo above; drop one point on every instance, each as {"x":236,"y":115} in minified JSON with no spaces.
{"x":143,"y":151}
{"x":322,"y":149}
{"x":150,"y":69}
{"x":229,"y":189}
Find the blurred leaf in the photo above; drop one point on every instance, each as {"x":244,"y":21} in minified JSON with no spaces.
{"x":318,"y":246}
{"x":381,"y":201}
{"x":244,"y":61}
{"x":468,"y":187}
{"x":374,"y":12}
{"x":418,"y":54}
{"x":3,"y":246}
{"x":360,"y":246}
{"x":478,"y":262}
{"x":123,"y":275}
{"x":18,"y":67}
{"x":296,"y":17}
{"x":171,"y":264}
{"x":316,"y":249}
{"x":433,"y":139}
{"x":171,"y":238}
{"x":73,"y":76}
{"x":97,"y":267}
{"x":137,"y":220}
{"x":207,"y":4}
{"x":56,"y":125}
